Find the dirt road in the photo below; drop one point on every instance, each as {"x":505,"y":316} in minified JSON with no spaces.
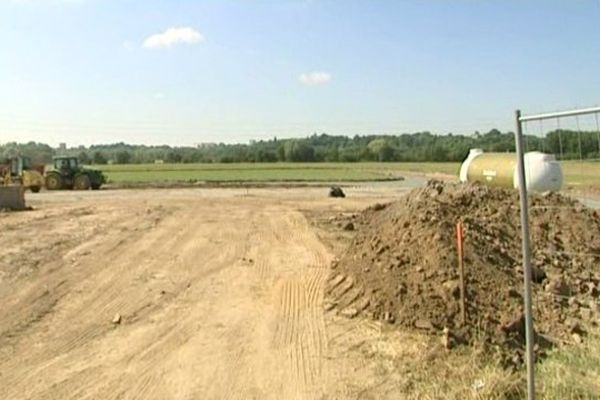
{"x":219,"y":295}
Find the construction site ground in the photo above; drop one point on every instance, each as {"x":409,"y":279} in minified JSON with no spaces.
{"x":189,"y":294}
{"x":219,"y":294}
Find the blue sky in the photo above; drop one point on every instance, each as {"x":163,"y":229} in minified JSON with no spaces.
{"x":77,"y":71}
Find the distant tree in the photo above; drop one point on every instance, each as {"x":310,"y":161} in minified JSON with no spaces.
{"x":84,"y":158}
{"x":381,"y":149}
{"x":174,"y":157}
{"x":332,"y":154}
{"x":418,"y":146}
{"x":299,"y":150}
{"x":349,"y":154}
{"x":99,"y":158}
{"x":39,"y":153}
{"x":281,"y":152}
{"x":123,"y":157}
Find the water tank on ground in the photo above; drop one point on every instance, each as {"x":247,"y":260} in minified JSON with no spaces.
{"x":542,"y":172}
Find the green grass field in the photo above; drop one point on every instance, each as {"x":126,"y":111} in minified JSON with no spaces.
{"x":586,"y":174}
{"x":278,"y":172}
{"x":582,"y":174}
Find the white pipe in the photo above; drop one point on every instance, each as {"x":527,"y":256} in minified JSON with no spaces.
{"x":570,"y":113}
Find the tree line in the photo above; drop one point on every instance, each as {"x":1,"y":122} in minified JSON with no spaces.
{"x":414,"y":147}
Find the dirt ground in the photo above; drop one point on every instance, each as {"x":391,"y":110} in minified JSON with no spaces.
{"x":197,"y":294}
{"x":183,"y":294}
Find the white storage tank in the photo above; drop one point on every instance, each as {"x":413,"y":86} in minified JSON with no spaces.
{"x":542,"y":172}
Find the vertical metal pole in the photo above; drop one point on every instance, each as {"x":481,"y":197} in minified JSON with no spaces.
{"x":559,"y":138}
{"x":526,"y":260}
{"x":597,"y":133}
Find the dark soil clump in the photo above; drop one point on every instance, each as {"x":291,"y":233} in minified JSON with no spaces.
{"x":336,"y":191}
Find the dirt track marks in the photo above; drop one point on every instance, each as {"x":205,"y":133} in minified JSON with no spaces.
{"x":299,"y":335}
{"x":218,"y":300}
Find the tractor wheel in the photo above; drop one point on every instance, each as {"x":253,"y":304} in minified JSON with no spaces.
{"x":54,"y":182}
{"x":35,"y":189}
{"x":82,"y":182}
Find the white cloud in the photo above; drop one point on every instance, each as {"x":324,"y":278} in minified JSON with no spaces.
{"x":172,"y":37}
{"x":315,"y":78}
{"x":158,"y":95}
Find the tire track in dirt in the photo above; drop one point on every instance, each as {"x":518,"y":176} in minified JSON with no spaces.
{"x":300,"y":335}
{"x":315,"y":309}
{"x":285,"y":273}
{"x":317,"y":274}
{"x":200,"y":320}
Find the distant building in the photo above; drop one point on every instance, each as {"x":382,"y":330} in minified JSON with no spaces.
{"x":62,"y":147}
{"x":207,"y":145}
{"x":159,"y":162}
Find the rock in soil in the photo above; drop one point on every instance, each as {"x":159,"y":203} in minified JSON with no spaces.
{"x":349,"y":312}
{"x":349,"y":226}
{"x":336,"y":191}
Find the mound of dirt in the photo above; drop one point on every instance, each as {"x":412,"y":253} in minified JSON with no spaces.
{"x":402,"y":267}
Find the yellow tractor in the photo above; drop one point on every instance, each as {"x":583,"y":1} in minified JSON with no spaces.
{"x":19,"y":171}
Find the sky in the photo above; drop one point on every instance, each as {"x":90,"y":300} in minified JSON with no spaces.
{"x":186,"y":72}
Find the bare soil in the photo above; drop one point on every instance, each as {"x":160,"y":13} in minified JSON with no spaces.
{"x":205,"y":294}
{"x":180,"y":294}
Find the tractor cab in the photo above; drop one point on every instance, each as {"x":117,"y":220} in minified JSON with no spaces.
{"x":67,"y":164}
{"x":16,"y":166}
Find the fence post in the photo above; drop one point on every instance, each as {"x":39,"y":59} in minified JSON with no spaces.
{"x":526,"y":259}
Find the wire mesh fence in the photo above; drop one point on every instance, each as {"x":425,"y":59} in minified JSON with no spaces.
{"x":575,"y":141}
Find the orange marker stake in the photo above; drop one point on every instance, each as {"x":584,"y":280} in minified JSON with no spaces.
{"x":460,"y":235}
